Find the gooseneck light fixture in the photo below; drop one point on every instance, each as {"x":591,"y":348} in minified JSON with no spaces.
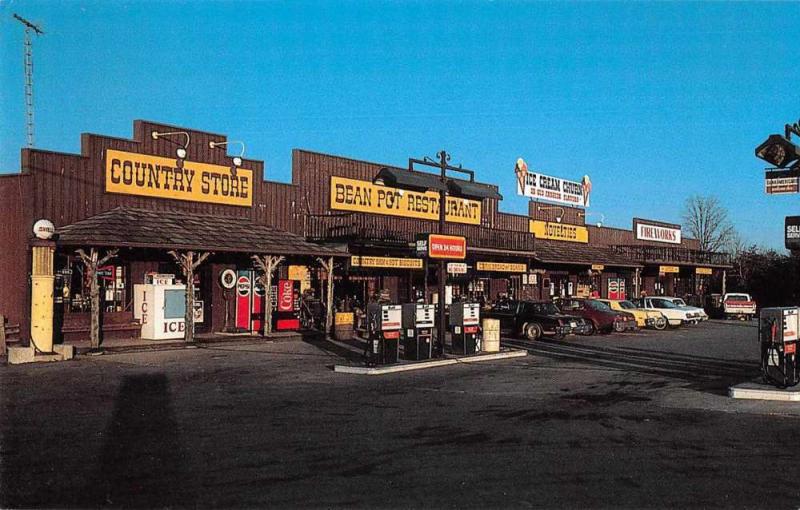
{"x":559,"y":214}
{"x":237,"y":160}
{"x":602,"y":217}
{"x":180,"y":151}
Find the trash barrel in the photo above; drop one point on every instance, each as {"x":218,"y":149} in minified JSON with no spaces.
{"x":491,"y":335}
{"x":343,"y":326}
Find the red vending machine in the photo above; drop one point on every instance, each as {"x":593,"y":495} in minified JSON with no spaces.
{"x":244,"y":299}
{"x":287,"y":306}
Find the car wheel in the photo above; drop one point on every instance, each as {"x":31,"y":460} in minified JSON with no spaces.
{"x":592,"y":329}
{"x":533,"y":332}
{"x":619,"y":326}
{"x":660,"y":323}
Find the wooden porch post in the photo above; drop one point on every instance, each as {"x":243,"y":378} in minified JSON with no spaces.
{"x":328,"y":267}
{"x":189,"y":261}
{"x":267,"y":264}
{"x":92,"y":262}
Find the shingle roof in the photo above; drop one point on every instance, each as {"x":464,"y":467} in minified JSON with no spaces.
{"x":560,"y":252}
{"x":145,"y":228}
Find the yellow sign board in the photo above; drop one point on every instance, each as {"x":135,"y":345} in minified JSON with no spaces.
{"x":502,"y":267}
{"x":390,"y":262}
{"x":158,"y":177}
{"x":343,"y":318}
{"x":669,"y":269}
{"x":363,"y":196}
{"x":302,"y":274}
{"x":559,"y":231}
{"x":598,"y":267}
{"x":703,"y":270}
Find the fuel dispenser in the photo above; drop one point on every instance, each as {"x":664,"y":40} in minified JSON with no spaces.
{"x":418,"y":330}
{"x":465,"y":327}
{"x":383,"y":325}
{"x":778,"y":337}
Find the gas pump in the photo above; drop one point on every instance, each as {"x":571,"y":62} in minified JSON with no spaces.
{"x":417,"y":330}
{"x":778,"y":337}
{"x":383,"y":324}
{"x":465,"y":326}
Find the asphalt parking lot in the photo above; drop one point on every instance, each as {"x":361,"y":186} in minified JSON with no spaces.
{"x":630,"y":420}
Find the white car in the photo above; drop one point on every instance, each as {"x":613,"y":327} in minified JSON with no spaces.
{"x":698,"y":312}
{"x":675,"y":314}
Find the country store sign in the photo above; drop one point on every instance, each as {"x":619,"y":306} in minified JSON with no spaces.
{"x":363,"y":196}
{"x":158,"y":177}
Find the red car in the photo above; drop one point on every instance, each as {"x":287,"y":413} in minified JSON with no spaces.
{"x":599,"y":315}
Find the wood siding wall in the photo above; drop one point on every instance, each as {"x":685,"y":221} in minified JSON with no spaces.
{"x":16,"y":222}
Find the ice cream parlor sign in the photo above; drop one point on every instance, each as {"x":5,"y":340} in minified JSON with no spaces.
{"x":552,"y":189}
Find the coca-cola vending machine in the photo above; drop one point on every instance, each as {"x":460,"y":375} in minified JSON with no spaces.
{"x":287,"y":307}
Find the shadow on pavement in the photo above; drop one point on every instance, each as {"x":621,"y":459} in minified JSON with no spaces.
{"x":348,"y":351}
{"x":703,"y":373}
{"x":142,"y":462}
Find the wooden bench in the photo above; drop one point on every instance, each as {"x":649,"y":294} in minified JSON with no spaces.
{"x":114,"y":325}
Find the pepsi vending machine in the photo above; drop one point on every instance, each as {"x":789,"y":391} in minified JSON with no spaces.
{"x":286,"y":316}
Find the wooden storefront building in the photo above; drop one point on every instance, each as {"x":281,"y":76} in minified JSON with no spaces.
{"x":111,"y":196}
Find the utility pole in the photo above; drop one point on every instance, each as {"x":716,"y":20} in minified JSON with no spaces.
{"x":29,"y":27}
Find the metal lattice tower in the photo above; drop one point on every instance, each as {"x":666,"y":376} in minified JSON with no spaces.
{"x":28,"y":50}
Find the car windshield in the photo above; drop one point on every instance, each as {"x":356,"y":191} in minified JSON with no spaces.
{"x":597,"y":305}
{"x":663,"y":303}
{"x":627,"y":305}
{"x":543,"y":308}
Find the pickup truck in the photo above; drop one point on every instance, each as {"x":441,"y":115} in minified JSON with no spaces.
{"x":738,"y":305}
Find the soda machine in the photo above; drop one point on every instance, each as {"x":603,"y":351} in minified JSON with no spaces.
{"x":286,"y":316}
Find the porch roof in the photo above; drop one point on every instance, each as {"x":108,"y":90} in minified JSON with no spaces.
{"x":562,"y":252}
{"x":128,"y":227}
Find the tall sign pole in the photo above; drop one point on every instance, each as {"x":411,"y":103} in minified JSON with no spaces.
{"x":441,"y":327}
{"x":28,"y":58}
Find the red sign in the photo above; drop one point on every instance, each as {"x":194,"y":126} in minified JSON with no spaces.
{"x":285,"y":297}
{"x":789,"y":348}
{"x":470,"y":329}
{"x":447,"y":247}
{"x":391,"y":335}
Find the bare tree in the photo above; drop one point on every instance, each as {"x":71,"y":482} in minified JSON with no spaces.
{"x":707,"y":221}
{"x":92,"y":262}
{"x":188,"y":261}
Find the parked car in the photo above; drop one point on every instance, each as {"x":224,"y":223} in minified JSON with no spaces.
{"x":601,"y":317}
{"x":534,"y":319}
{"x":644,"y":318}
{"x":738,"y":306}
{"x":699,"y":313}
{"x":675,"y":314}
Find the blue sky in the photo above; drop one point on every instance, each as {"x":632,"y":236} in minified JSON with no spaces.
{"x":655,"y":101}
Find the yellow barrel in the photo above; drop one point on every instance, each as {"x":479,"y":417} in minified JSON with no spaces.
{"x":343,"y":326}
{"x":491,"y":335}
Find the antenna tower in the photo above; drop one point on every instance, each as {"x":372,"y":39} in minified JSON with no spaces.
{"x":29,"y":27}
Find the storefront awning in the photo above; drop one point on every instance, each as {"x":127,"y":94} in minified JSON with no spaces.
{"x":127,"y":227}
{"x":554,"y":252}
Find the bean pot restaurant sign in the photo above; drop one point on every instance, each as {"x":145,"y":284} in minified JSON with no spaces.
{"x":153,"y":176}
{"x":658,"y":233}
{"x":552,"y":189}
{"x":366,"y":197}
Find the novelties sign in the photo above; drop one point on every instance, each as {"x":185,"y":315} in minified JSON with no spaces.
{"x":552,"y":189}
{"x":660,"y":233}
{"x":792,"y":232}
{"x":363,"y":196}
{"x":559,"y":231}
{"x":158,"y":177}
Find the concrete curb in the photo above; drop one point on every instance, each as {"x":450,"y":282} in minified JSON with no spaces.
{"x":757,"y":391}
{"x":391,"y":369}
